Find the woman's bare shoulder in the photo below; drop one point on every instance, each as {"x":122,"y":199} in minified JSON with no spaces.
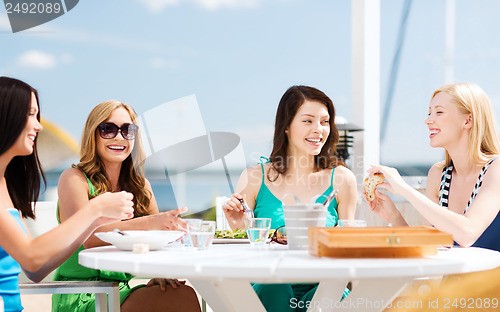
{"x":435,"y":172}
{"x":342,"y":170}
{"x":73,"y":175}
{"x":72,"y":182}
{"x":493,"y":172}
{"x":434,"y":180}
{"x":250,"y":180}
{"x":253,"y":174}
{"x":343,"y":173}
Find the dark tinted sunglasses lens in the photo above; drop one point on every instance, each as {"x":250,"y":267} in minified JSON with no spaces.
{"x":108,"y":131}
{"x":129,"y":131}
{"x":279,"y":236}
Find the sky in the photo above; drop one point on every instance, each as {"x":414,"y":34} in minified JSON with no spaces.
{"x":239,"y":56}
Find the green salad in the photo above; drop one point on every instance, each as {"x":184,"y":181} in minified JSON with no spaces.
{"x":239,"y":233}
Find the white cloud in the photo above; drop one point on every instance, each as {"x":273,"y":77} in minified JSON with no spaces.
{"x":217,"y":4}
{"x":160,"y":63}
{"x":101,"y":38}
{"x":157,"y":63}
{"x":37,"y":59}
{"x":156,"y":6}
{"x":4,"y":23}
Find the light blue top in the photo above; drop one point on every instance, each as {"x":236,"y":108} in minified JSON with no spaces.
{"x":269,"y":206}
{"x":9,"y":274}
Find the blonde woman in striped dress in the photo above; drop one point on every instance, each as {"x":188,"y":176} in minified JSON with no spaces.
{"x":462,"y":195}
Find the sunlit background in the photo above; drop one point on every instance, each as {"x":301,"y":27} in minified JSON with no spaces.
{"x":239,"y":56}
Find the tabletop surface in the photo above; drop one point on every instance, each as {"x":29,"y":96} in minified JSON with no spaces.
{"x":277,"y":263}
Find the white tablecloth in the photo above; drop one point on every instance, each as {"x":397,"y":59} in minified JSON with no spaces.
{"x":223,"y":273}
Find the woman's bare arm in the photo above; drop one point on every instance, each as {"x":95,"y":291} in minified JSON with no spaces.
{"x":41,"y":255}
{"x":73,"y":196}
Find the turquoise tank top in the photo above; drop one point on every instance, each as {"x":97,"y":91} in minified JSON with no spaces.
{"x":9,"y":274}
{"x":269,"y":206}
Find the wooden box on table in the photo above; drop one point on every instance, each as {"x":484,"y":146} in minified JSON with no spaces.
{"x":376,"y":242}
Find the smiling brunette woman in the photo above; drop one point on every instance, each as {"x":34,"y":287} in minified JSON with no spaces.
{"x":20,"y":178}
{"x":460,"y":121}
{"x":112,"y":160}
{"x":302,"y":162}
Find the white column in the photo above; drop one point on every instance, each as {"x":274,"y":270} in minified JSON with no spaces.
{"x":365,"y":84}
{"x":449,"y":41}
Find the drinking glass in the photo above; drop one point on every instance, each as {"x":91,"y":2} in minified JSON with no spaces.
{"x":202,"y":236}
{"x":191,"y":224}
{"x":258,"y":230}
{"x":352,"y":223}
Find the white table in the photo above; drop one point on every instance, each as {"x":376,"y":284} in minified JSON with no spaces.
{"x":222,"y":274}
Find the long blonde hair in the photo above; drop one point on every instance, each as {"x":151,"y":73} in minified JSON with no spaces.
{"x":483,"y":138}
{"x":131,"y":177}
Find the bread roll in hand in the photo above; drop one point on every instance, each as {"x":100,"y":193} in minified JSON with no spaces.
{"x":371,"y":183}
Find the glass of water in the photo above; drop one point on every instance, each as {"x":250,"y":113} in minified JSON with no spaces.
{"x":202,"y":234}
{"x":191,"y":224}
{"x":258,"y":230}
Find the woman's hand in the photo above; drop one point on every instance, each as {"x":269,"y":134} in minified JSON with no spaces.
{"x":169,"y":220}
{"x":394,"y":182}
{"x":114,"y":206}
{"x":163,"y":282}
{"x":234,"y":211}
{"x":382,"y":206}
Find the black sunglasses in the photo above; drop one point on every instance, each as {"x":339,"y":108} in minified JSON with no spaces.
{"x":108,"y":130}
{"x":279,"y":236}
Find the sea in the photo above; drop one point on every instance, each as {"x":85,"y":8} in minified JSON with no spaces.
{"x":198,"y":189}
{"x":195,"y":190}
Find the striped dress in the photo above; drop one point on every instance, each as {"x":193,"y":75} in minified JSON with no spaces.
{"x":490,"y":238}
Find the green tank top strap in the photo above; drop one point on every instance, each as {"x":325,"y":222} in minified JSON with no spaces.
{"x":92,"y":190}
{"x":92,"y":193}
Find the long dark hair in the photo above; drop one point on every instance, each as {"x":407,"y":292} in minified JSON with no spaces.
{"x":289,"y":104}
{"x":24,"y":173}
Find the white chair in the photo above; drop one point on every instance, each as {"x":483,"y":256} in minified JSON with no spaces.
{"x":102,"y":291}
{"x":106,"y":292}
{"x":46,"y":219}
{"x":220,"y":217}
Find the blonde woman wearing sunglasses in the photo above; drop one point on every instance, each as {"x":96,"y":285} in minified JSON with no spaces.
{"x":112,"y":160}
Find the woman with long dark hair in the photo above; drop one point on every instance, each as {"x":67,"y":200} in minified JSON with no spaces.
{"x":20,"y":179}
{"x":303,"y":163}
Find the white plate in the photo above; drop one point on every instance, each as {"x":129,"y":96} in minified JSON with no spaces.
{"x":155,"y":239}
